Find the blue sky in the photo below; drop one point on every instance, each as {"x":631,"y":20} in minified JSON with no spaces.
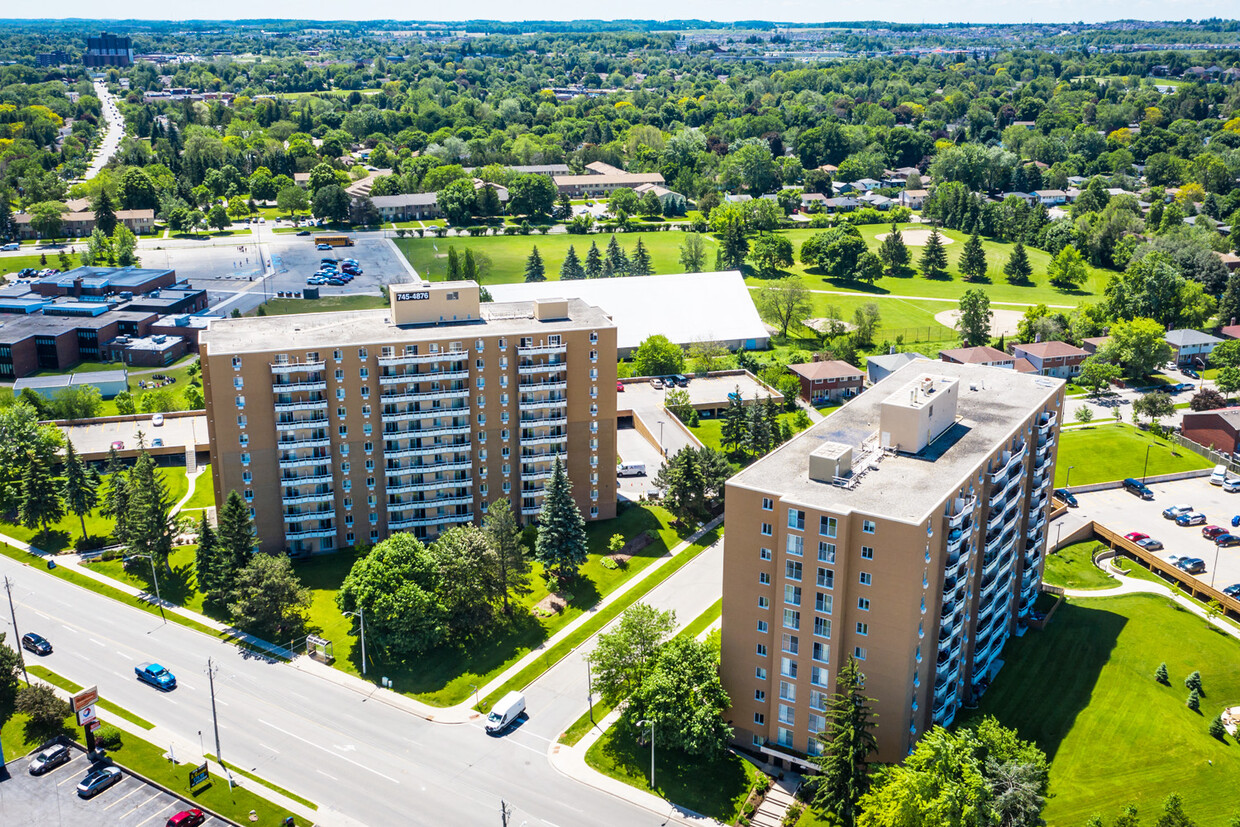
{"x":904,"y":11}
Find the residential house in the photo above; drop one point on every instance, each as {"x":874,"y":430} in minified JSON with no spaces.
{"x":830,"y":380}
{"x":813,"y":201}
{"x":1230,"y":331}
{"x":601,"y":180}
{"x":1191,"y":347}
{"x":878,"y":202}
{"x":1051,"y":198}
{"x":981,"y":355}
{"x":413,"y":206}
{"x":1093,"y":344}
{"x":843,"y":204}
{"x":1218,"y":429}
{"x":1058,"y":359}
{"x":913,"y":199}
{"x":668,"y":198}
{"x":1028,"y":198}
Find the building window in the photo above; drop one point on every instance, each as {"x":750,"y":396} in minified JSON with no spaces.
{"x":785,"y":737}
{"x":344,"y":430}
{"x":768,"y":504}
{"x":792,"y":569}
{"x":824,"y":603}
{"x":863,"y":603}
{"x":759,"y":718}
{"x":764,"y":602}
{"x":792,"y":595}
{"x":236,"y":363}
{"x":245,"y":458}
{"x":866,"y":579}
{"x":238,"y":383}
{"x":859,"y":653}
{"x":240,"y":403}
{"x":792,"y":619}
{"x":867,"y":526}
{"x":340,"y":394}
{"x":791,"y":643}
{"x":788,"y":667}
{"x":796,"y":519}
{"x":342,"y":412}
{"x":826,"y":579}
{"x":821,"y":652}
{"x":760,"y":673}
{"x":482,"y":419}
{"x":795,"y":545}
{"x":344,"y":467}
{"x":826,"y":526}
{"x":339,"y":374}
{"x":245,"y":440}
{"x":818,"y":676}
{"x":762,"y":627}
{"x":337,"y":354}
{"x":361,"y":353}
{"x":863,"y":628}
{"x":766,"y":527}
{"x":593,"y":337}
{"x":764,"y":578}
{"x":822,"y":627}
{"x":764,"y":554}
{"x":240,"y":420}
{"x":759,"y":695}
{"x":867,"y":553}
{"x":826,"y":552}
{"x":761,"y":650}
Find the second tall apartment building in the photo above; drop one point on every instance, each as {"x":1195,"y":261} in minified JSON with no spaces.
{"x":341,"y":428}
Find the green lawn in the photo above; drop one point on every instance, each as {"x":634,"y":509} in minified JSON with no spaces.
{"x":62,"y":535}
{"x":1072,"y":567}
{"x":180,"y":587}
{"x":710,"y":431}
{"x":1084,"y":690}
{"x":204,"y":491}
{"x":284,"y":307}
{"x":715,"y":788}
{"x":1107,"y":452}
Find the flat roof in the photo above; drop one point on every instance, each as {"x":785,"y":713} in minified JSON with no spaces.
{"x":105,"y":276}
{"x":266,"y":334}
{"x":992,"y":402}
{"x":685,"y":307}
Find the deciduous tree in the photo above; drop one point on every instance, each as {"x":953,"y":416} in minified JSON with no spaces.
{"x":268,"y":598}
{"x":624,"y":656}
{"x":975,"y":316}
{"x":683,"y":699}
{"x":395,"y":586}
{"x":786,"y":302}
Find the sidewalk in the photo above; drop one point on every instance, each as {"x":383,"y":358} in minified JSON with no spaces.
{"x":1131,"y":585}
{"x":458,"y":714}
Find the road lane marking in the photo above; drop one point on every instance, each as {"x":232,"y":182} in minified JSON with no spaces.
{"x":329,"y":752}
{"x":123,"y":655}
{"x":332,"y":777}
{"x":92,"y":640}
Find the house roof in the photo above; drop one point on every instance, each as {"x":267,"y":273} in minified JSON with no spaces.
{"x":1186,"y":337}
{"x":893,"y":361}
{"x":1046,"y":350}
{"x":1231,"y":331}
{"x":829,"y":369}
{"x":1023,"y":365}
{"x":981,"y":355}
{"x":410,"y":199}
{"x":1229,"y":415}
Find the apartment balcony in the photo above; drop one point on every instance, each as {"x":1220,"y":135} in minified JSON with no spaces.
{"x":963,"y":508}
{"x":1046,"y":422}
{"x":317,"y":441}
{"x":303,"y":462}
{"x":994,"y":520}
{"x":439,"y":502}
{"x":300,"y":499}
{"x":422,"y":522}
{"x":1032,"y":558}
{"x":551,"y":439}
{"x":295,"y":424}
{"x":955,"y":539}
{"x":539,"y":350}
{"x":531,"y":510}
{"x":1039,"y":478}
{"x":424,"y":376}
{"x":1009,"y":460}
{"x":310,"y":534}
{"x":300,"y":405}
{"x":534,"y":476}
{"x":457,"y":429}
{"x":297,"y":387}
{"x":285,"y":368}
{"x":1037,"y":523}
{"x":413,"y":451}
{"x":395,"y":469}
{"x":533,"y":368}
{"x":545,"y":385}
{"x":312,"y":479}
{"x":428,"y":485}
{"x":542,"y":421}
{"x":547,"y":402}
{"x":423,"y":358}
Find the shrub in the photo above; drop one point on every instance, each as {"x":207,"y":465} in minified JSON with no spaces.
{"x":609,"y":563}
{"x":108,"y":737}
{"x":47,"y":711}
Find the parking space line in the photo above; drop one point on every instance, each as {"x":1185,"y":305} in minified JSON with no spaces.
{"x":126,"y":795}
{"x":67,"y":780}
{"x":137,"y":807}
{"x":157,"y":814}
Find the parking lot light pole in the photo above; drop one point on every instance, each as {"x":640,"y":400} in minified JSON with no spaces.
{"x":360,"y":614}
{"x":1068,"y":479}
{"x":1147,"y":462}
{"x":1214,"y":570}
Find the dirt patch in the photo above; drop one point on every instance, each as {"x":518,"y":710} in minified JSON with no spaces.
{"x":1002,"y":323}
{"x":551,"y":604}
{"x":621,"y":559}
{"x":819,"y":325}
{"x":917,"y":238}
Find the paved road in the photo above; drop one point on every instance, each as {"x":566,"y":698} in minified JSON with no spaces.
{"x":361,"y":760}
{"x":116,"y":130}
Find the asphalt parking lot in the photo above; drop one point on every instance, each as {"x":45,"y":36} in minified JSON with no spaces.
{"x":634,"y":448}
{"x":297,"y":257}
{"x":1123,"y":512}
{"x":52,"y":799}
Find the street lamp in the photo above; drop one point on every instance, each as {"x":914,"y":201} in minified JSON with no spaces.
{"x":1214,"y":570}
{"x":1147,"y":462}
{"x":651,"y":723}
{"x":1068,"y":479}
{"x":155,"y":577}
{"x":360,"y":614}
{"x":662,"y":450}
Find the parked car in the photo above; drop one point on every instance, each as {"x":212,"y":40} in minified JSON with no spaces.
{"x":335,"y":282}
{"x":187,"y":818}
{"x":682,"y":381}
{"x":1227,"y":540}
{"x":1134,"y":486}
{"x":1150,"y":544}
{"x":1176,"y":510}
{"x":157,"y":420}
{"x":1231,"y":485}
{"x":10,"y":247}
{"x":322,"y":246}
{"x":1136,"y":536}
{"x":118,"y":444}
{"x":155,"y":675}
{"x":656,"y":383}
{"x":36,"y":643}
{"x":1212,"y":531}
{"x":1191,"y":518}
{"x":1190,"y":373}
{"x":620,"y":387}
{"x":303,"y":232}
{"x":97,"y":781}
{"x":1066,"y":496}
{"x":316,"y":280}
{"x":330,"y":262}
{"x":1180,"y":387}
{"x":1192,"y":565}
{"x":1219,"y":475}
{"x":1233,"y":590}
{"x":157,"y":442}
{"x":50,"y":758}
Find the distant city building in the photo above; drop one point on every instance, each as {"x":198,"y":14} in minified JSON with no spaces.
{"x":108,"y":50}
{"x":55,"y":58}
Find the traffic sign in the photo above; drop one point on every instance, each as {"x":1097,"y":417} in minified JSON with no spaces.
{"x":86,"y":697}
{"x":85,"y":715}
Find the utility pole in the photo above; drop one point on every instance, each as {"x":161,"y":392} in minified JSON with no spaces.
{"x":590,"y":689}
{"x":17,"y":637}
{"x":211,"y":670}
{"x":505,"y":812}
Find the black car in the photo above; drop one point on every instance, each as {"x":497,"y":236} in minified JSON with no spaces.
{"x":303,"y":232}
{"x":50,"y":758}
{"x":1190,"y":373}
{"x":36,"y":643}
{"x":1139,"y":488}
{"x":1065,"y":495}
{"x":1227,"y":540}
{"x":1233,"y":590}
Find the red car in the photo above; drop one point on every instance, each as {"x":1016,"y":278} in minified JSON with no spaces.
{"x":187,"y":818}
{"x":1136,"y":536}
{"x":620,"y":387}
{"x":1212,"y":531}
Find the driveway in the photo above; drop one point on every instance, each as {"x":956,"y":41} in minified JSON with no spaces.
{"x":635,"y":448}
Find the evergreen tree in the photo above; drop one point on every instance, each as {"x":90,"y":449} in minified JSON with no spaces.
{"x":571,"y":269}
{"x":564,"y":208}
{"x":893,"y":252}
{"x":40,"y":501}
{"x":845,"y":770}
{"x":207,"y":559}
{"x":1160,"y":675}
{"x":594,"y":262}
{"x":80,"y":487}
{"x":454,"y":265}
{"x":504,"y":536}
{"x":148,"y":525}
{"x":735,"y":422}
{"x":1193,"y":681}
{"x":616,"y":259}
{"x":1194,"y":700}
{"x":1229,"y":304}
{"x":758,"y":431}
{"x":235,"y":535}
{"x":973,"y":259}
{"x":469,"y":267}
{"x":561,"y":543}
{"x":641,"y":264}
{"x":1217,"y":730}
{"x":534,"y":270}
{"x":934,"y":257}
{"x":1018,"y":269}
{"x":105,"y":213}
{"x":116,"y":497}
{"x":771,"y":411}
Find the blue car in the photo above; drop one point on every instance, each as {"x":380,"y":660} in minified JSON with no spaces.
{"x":156,"y":675}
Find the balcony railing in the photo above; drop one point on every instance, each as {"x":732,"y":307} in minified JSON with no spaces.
{"x":301,"y":462}
{"x":1046,"y":422}
{"x":434,"y":502}
{"x":428,"y":485}
{"x":437,"y":430}
{"x":296,"y":387}
{"x":548,"y":385}
{"x":550,"y":439}
{"x":296,"y":367}
{"x":963,"y":509}
{"x":302,"y":405}
{"x":535,"y":350}
{"x":294,"y":424}
{"x":423,"y":358}
{"x":298,"y":499}
{"x":310,"y":534}
{"x":424,"y":376}
{"x":552,"y":402}
{"x":541,"y":367}
{"x":316,"y":441}
{"x":443,"y":519}
{"x":542,"y":421}
{"x":313,"y":479}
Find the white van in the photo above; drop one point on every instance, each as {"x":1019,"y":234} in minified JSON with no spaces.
{"x":1219,"y":476}
{"x":631,"y":469}
{"x":505,"y":712}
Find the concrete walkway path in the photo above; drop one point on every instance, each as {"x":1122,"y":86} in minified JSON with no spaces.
{"x":1133,"y":585}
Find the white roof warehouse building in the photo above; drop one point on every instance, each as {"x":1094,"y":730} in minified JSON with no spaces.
{"x":685,"y":307}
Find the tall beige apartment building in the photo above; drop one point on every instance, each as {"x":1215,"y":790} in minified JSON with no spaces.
{"x":906,"y":530}
{"x":340,"y":428}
